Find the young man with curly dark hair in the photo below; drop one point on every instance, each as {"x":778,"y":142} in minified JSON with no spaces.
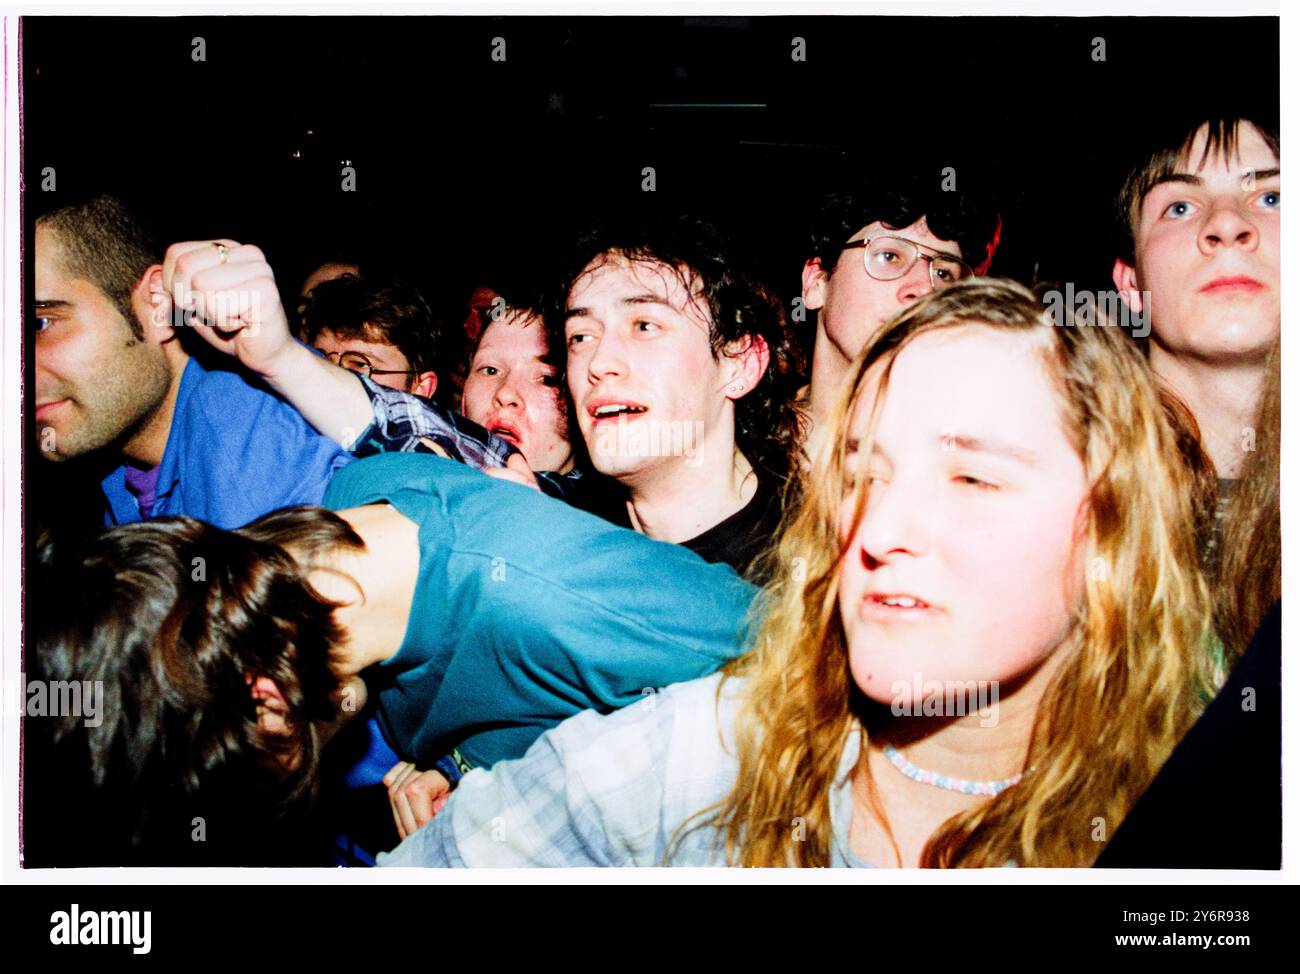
{"x":682,"y":372}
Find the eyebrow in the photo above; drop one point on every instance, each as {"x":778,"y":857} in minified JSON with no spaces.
{"x":1191,"y":180}
{"x":969,"y":444}
{"x":938,"y":251}
{"x":52,"y":305}
{"x":975,"y":444}
{"x":635,"y":299}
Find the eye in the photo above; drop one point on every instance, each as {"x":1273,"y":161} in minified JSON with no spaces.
{"x":549,"y":379}
{"x":1178,"y":210}
{"x":871,"y":478}
{"x":967,"y":480}
{"x":39,"y":323}
{"x":945,"y":275}
{"x":487,"y":370}
{"x":1272,"y":199}
{"x":646,"y":326}
{"x":578,"y":339}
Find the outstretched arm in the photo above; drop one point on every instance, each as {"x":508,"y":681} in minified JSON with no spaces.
{"x":231,"y":291}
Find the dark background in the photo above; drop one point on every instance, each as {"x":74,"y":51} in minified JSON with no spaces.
{"x":463,"y":163}
{"x":465,"y":166}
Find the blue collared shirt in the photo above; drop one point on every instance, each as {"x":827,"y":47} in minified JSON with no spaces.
{"x":236,"y":451}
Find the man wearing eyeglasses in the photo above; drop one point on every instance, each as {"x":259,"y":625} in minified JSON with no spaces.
{"x":876,"y":248}
{"x":382,"y":329}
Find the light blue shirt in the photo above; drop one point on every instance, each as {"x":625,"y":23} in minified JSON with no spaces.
{"x":612,"y":791}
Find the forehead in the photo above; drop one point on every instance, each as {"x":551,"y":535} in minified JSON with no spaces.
{"x":519,"y":334}
{"x":53,"y":280}
{"x":1249,"y":152}
{"x":616,"y":280}
{"x":49,"y":255}
{"x":964,"y":380}
{"x":332,"y":342}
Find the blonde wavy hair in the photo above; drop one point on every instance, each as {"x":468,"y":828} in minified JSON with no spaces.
{"x":1136,"y":671}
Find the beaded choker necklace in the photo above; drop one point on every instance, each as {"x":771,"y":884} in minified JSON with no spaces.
{"x":990,"y":788}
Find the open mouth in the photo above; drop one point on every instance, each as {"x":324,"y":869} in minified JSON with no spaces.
{"x":900,"y":601}
{"x":896,"y":606}
{"x":507,"y":433}
{"x":612,"y":410}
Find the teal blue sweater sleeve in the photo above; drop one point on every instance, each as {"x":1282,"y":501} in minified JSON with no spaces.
{"x":528,"y":611}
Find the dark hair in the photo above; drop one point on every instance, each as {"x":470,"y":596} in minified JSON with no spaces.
{"x":898,"y":202}
{"x":175,"y":618}
{"x":102,"y":241}
{"x":383,"y":310}
{"x":1169,"y":142}
{"x":740,"y":305}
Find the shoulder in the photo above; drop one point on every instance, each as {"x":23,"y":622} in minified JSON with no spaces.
{"x":228,"y":401}
{"x":689,"y":706}
{"x":242,"y":451}
{"x":654,"y":765}
{"x":384,"y":476}
{"x":597,"y":790}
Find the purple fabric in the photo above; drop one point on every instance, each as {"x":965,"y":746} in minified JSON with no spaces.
{"x":144,"y":484}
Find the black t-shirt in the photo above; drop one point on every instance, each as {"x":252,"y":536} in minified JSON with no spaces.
{"x":736,"y":541}
{"x":1217,"y":802}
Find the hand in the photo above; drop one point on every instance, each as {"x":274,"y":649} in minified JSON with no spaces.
{"x":416,"y":796}
{"x":236,"y":303}
{"x":516,"y":471}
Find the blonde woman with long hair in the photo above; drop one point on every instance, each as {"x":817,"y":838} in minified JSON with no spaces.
{"x":985,"y":633}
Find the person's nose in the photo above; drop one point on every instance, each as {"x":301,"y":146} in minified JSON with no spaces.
{"x":1226,"y":225}
{"x":608,"y":357}
{"x":916,"y":283}
{"x":895,"y":524}
{"x":507,"y":393}
{"x":42,"y":372}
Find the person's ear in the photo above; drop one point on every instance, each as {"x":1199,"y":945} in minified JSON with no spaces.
{"x":1125,"y":277}
{"x":271,"y":705}
{"x":747,"y":359}
{"x":815,"y":279}
{"x":153,"y":306}
{"x":426,"y":384}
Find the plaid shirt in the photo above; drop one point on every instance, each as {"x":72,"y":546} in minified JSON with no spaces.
{"x":611,"y":790}
{"x":406,"y":423}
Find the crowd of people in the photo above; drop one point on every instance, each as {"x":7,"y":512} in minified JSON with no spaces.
{"x":622,"y":570}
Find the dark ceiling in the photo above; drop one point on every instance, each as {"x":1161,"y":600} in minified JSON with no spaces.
{"x":462,"y":160}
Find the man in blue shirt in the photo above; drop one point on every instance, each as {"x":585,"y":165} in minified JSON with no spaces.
{"x":112,"y":375}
